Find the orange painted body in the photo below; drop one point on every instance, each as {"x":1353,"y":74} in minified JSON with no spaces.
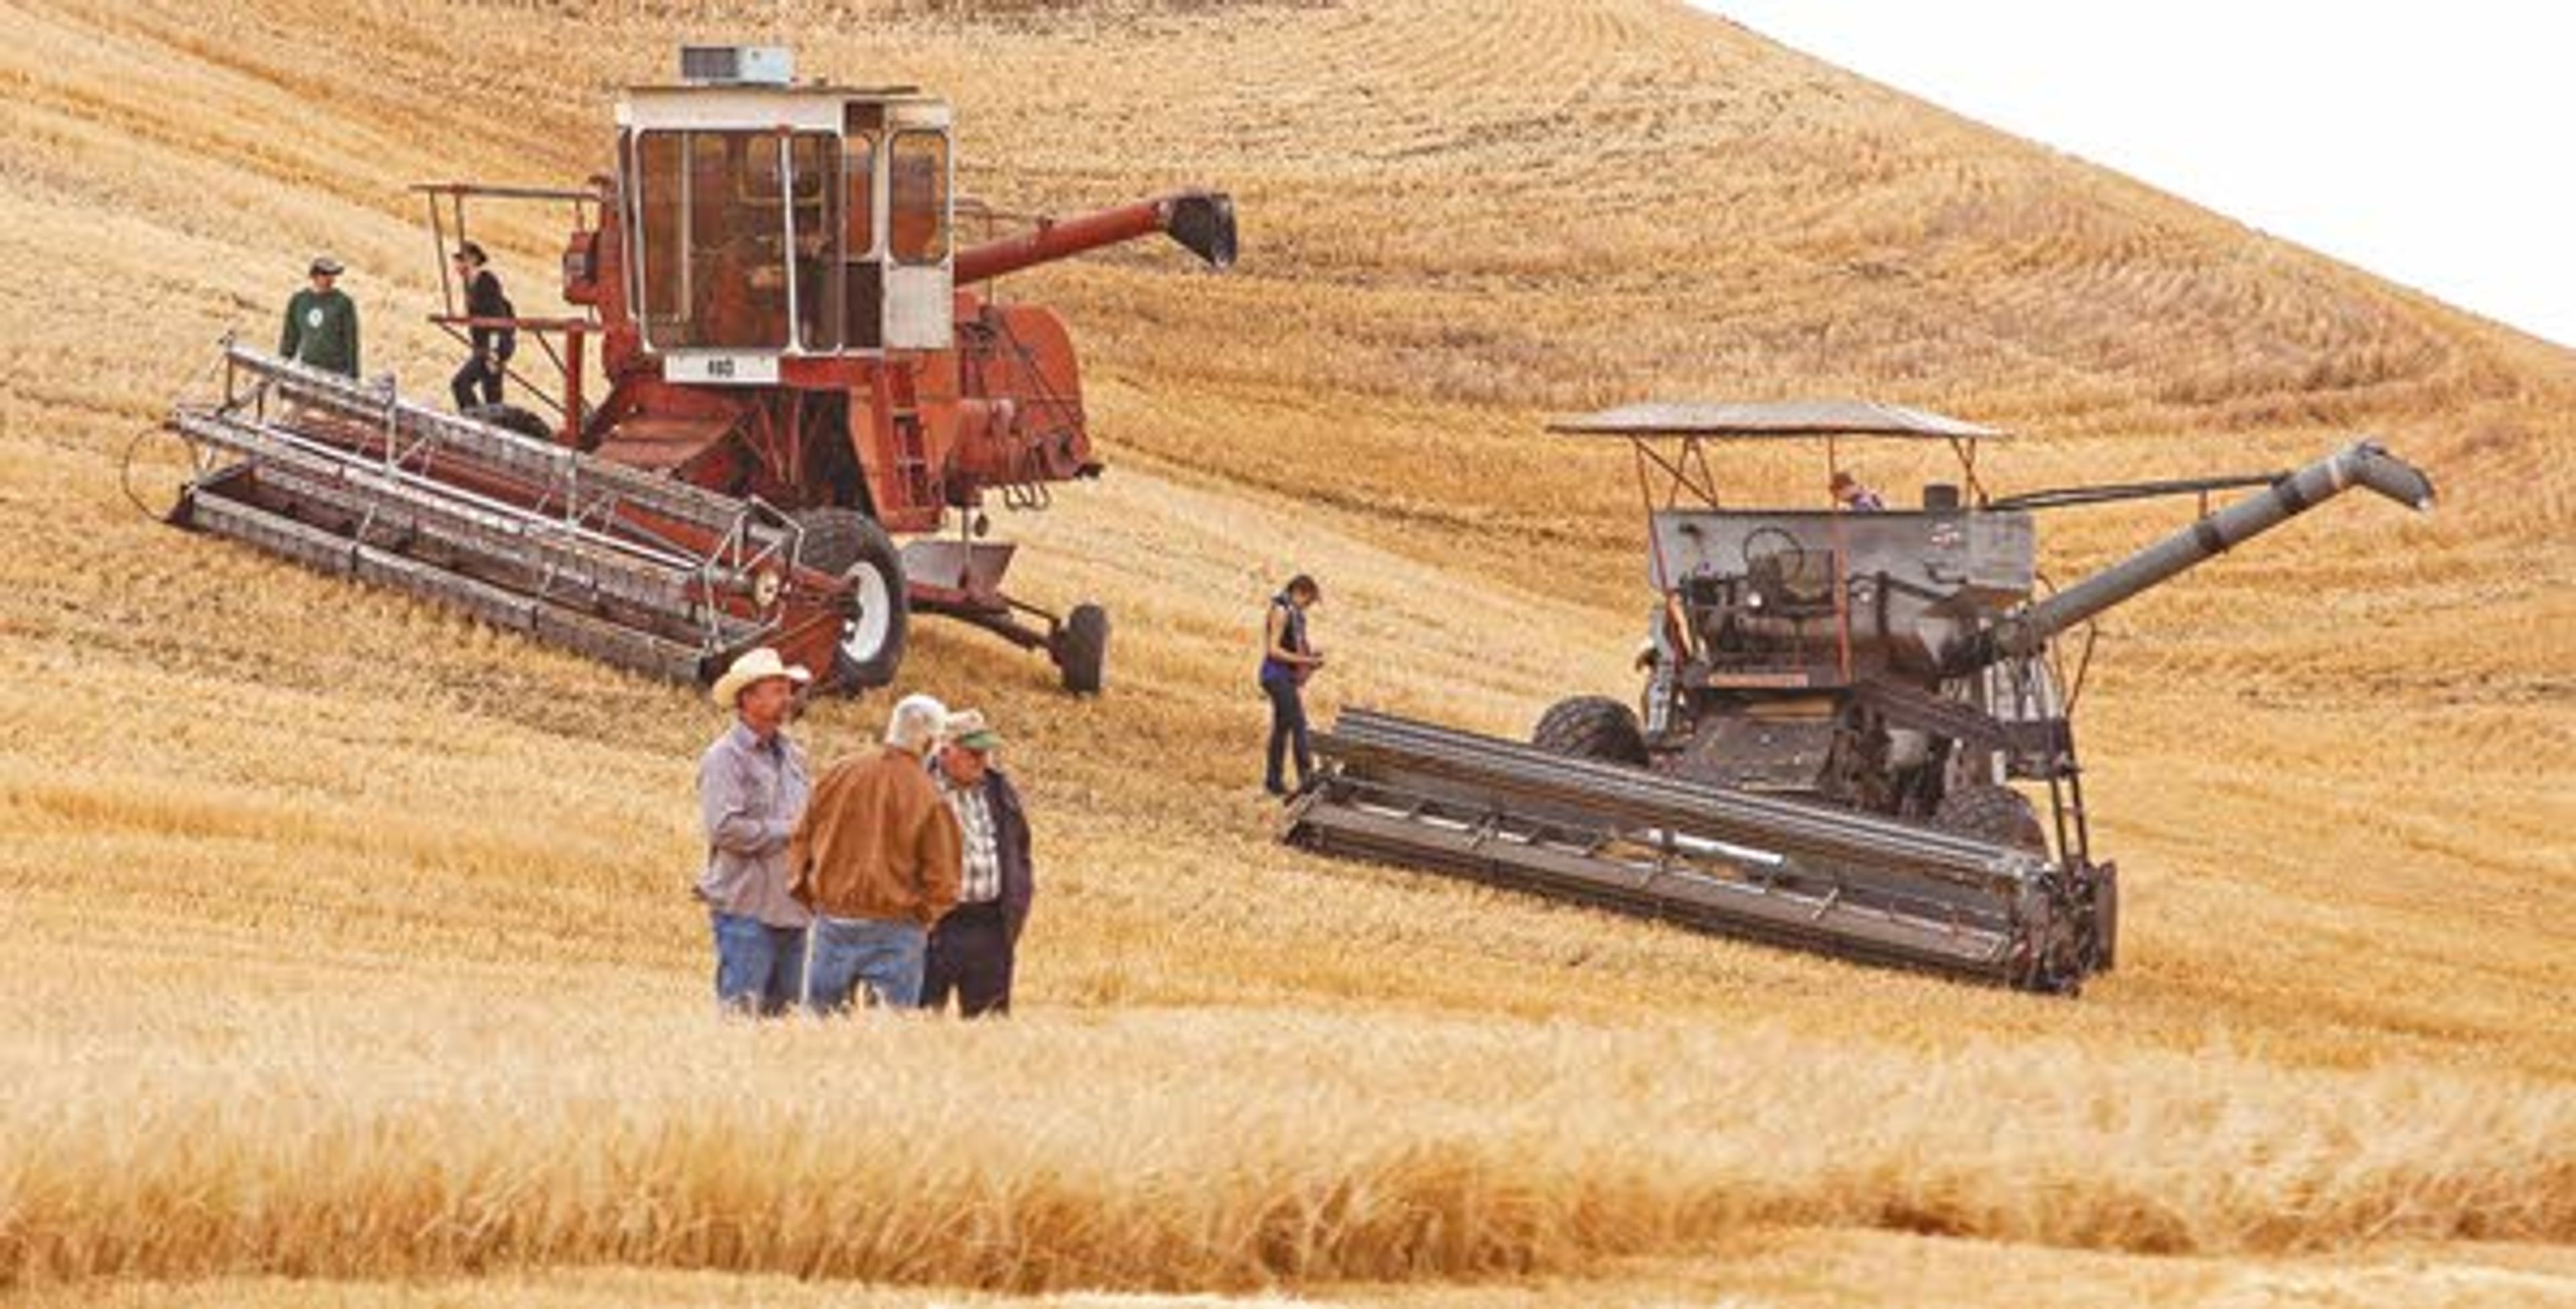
{"x":902,"y":435}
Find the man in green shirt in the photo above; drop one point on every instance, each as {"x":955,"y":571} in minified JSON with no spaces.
{"x":322,"y":323}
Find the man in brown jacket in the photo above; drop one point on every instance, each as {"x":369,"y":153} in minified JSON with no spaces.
{"x":877,"y":858}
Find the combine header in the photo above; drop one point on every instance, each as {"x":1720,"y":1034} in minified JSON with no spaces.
{"x":798,"y":370}
{"x":1835,"y":706}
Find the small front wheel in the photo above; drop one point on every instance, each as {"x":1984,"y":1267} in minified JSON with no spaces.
{"x":2106,"y":918}
{"x":1081,"y":649}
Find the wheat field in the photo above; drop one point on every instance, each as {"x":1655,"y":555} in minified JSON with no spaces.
{"x":347,"y":943}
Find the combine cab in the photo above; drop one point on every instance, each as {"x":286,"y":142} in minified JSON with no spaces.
{"x":1837,"y":708}
{"x":800,"y":369}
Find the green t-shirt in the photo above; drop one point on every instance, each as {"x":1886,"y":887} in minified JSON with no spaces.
{"x":322,"y":330}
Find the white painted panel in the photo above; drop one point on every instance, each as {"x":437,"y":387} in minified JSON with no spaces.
{"x":721,"y":368}
{"x":731,"y":108}
{"x":919,"y":297}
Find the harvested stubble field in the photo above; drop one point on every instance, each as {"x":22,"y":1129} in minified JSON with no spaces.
{"x":348,"y":954}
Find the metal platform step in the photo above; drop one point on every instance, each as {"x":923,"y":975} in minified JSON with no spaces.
{"x":662,"y":444}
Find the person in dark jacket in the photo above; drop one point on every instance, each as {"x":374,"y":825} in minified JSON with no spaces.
{"x":322,"y":322}
{"x":975,"y":946}
{"x":1287,"y":660}
{"x":493,"y":346}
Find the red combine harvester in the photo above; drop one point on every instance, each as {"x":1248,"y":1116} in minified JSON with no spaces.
{"x":798,"y":370}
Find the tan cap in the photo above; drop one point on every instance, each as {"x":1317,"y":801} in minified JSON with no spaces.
{"x":967,"y":727}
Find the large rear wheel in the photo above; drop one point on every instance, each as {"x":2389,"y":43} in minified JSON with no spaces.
{"x":847,"y":543}
{"x":1592,"y":727}
{"x":1994,"y":813}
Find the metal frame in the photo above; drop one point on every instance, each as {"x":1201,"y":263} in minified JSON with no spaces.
{"x":581,"y":534}
{"x":571,"y":360}
{"x":1708,"y":857}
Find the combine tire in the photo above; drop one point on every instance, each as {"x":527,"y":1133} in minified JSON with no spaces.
{"x":511,"y":418}
{"x":1992,"y":813}
{"x":1081,"y":649}
{"x":1592,"y":727}
{"x":847,"y":543}
{"x":2106,"y":920}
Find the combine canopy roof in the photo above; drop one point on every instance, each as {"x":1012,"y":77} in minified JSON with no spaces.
{"x":1784,"y":418}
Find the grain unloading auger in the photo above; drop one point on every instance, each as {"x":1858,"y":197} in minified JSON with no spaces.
{"x":1835,"y":705}
{"x":802,"y":365}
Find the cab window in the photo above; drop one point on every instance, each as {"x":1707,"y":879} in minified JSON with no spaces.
{"x":917,"y":197}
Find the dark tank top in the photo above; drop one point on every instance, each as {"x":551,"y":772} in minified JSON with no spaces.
{"x":1292,"y":635}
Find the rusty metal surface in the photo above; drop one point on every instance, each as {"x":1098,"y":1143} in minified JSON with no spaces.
{"x":211,"y":506}
{"x":569,"y":565}
{"x":643,"y":572}
{"x":1791,"y":418}
{"x":1203,"y":221}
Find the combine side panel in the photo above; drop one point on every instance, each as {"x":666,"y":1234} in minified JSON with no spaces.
{"x":1853,"y":885}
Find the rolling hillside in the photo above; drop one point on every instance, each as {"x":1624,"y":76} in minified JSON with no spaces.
{"x":349,"y":943}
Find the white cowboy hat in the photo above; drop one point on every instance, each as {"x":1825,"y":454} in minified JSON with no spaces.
{"x":756,"y":665}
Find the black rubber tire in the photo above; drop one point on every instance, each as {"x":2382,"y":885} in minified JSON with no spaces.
{"x":847,"y":543}
{"x":1592,"y":727}
{"x":1081,"y":649}
{"x":1993,"y":813}
{"x":512,"y":418}
{"x":2106,"y":921}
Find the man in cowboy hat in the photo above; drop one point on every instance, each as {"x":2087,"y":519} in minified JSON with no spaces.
{"x":751,"y":793}
{"x":322,"y":322}
{"x":876,"y":859}
{"x":973,"y":947}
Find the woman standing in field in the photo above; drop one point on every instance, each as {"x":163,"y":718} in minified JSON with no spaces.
{"x":1287,"y":660}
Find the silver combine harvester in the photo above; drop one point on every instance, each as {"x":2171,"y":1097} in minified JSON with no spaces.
{"x":1837,"y":705}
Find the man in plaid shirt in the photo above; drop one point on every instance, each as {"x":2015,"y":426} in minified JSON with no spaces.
{"x":973,"y":947}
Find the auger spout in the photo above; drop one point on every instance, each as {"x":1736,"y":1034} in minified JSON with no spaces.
{"x":2361,"y":464}
{"x":1202,"y":221}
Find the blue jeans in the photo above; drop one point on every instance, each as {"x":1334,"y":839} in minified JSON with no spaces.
{"x":759,"y":968}
{"x":887,"y":956}
{"x":1287,"y":730}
